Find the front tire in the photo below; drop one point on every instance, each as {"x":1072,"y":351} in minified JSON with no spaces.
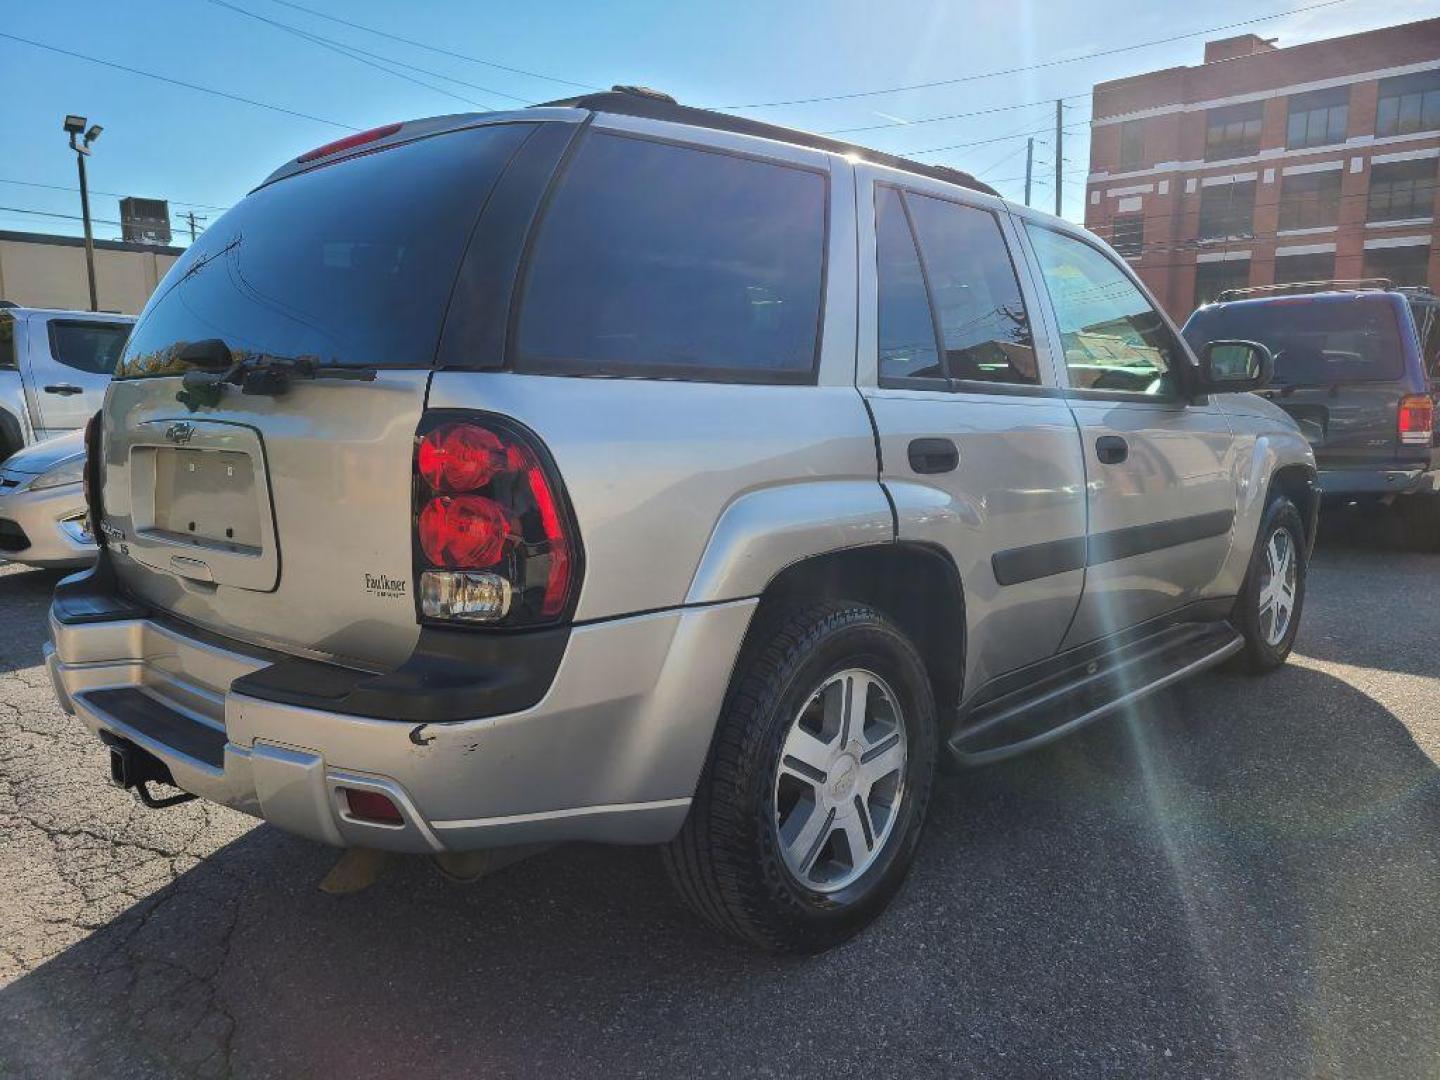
{"x":1267,"y":612}
{"x":810,"y":807}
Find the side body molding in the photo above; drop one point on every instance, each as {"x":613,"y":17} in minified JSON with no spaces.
{"x":764,"y":531}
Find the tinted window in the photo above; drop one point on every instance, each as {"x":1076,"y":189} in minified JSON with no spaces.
{"x":1213,"y":278}
{"x":1409,"y":103}
{"x":1113,"y":337}
{"x":1132,"y":144}
{"x":1314,"y":343}
{"x":351,"y":263}
{"x":1318,"y":266}
{"x":1127,"y":234}
{"x":7,"y":341}
{"x":88,"y":346}
{"x":906,"y":329}
{"x":665,"y":260}
{"x":983,"y":322}
{"x":1402,"y":189}
{"x":1406,"y":265}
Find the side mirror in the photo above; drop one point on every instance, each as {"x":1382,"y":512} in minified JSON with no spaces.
{"x":1233,"y":367}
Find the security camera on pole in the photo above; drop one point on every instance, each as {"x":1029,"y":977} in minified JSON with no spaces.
{"x":75,"y":125}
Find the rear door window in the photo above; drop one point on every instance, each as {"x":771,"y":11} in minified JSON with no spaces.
{"x":88,"y":346}
{"x":669,"y":261}
{"x":907,"y":341}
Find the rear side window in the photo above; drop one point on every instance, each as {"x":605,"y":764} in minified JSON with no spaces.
{"x":87,"y":346}
{"x":906,"y":328}
{"x":983,"y":322}
{"x":351,"y":263}
{"x":674,"y":262}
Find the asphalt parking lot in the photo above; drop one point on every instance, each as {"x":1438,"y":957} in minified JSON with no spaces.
{"x":1240,"y":879}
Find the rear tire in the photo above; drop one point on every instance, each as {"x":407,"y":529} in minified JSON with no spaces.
{"x":1267,"y":612}
{"x":798,"y":836}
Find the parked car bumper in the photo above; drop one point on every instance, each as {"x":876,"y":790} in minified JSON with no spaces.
{"x":611,"y":751}
{"x":45,"y":527}
{"x":1377,"y":481}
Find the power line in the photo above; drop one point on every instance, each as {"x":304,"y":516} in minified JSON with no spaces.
{"x":443,"y":52}
{"x":112,"y":194}
{"x":955,"y":116}
{"x":1046,"y":130}
{"x":1031,"y":67}
{"x":359,"y":56}
{"x":178,"y":82}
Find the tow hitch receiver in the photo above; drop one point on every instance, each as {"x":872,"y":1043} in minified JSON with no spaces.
{"x":132,"y":767}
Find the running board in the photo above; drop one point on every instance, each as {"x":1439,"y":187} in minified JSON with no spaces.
{"x":1051,"y":708}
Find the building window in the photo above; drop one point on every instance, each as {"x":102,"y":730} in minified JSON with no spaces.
{"x":1213,"y":278}
{"x":1132,"y":144}
{"x":1310,"y":200}
{"x":1314,"y":267}
{"x":1408,"y":265}
{"x":1402,"y":189}
{"x":1127,"y":235}
{"x":1318,"y":118}
{"x":1409,"y":103}
{"x":1227,"y":210}
{"x":1233,"y":131}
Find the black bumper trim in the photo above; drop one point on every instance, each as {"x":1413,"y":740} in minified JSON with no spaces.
{"x":452,"y":675}
{"x":156,"y":720}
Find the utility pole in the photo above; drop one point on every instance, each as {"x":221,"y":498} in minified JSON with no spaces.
{"x":1029,"y":165}
{"x":75,"y":126}
{"x":191,"y":219}
{"x":1059,"y":151}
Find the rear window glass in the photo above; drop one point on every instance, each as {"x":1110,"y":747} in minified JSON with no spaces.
{"x":88,"y":346}
{"x":672,"y":262}
{"x":1314,"y":343}
{"x":350,"y":263}
{"x":7,"y":341}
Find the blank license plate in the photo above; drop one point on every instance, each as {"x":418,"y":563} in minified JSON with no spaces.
{"x":209,"y":498}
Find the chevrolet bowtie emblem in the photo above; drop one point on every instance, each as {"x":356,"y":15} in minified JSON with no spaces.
{"x":180,"y":432}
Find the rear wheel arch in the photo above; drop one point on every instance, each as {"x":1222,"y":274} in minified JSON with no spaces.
{"x":916,"y":586}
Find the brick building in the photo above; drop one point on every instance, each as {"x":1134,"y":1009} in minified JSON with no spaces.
{"x":1267,"y":164}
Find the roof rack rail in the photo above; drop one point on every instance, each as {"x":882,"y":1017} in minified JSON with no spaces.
{"x":654,"y":105}
{"x":1335,"y":285}
{"x":1415,"y":290}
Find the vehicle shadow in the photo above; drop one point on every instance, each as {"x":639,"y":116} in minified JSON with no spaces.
{"x":1238,"y":879}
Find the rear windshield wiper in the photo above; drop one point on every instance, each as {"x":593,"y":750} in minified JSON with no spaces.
{"x":256,"y":373}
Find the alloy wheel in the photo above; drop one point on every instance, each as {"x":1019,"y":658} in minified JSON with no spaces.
{"x":840,"y":780}
{"x":1278,"y":586}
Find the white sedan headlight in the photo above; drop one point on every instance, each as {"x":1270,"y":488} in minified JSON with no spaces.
{"x":69,"y":471}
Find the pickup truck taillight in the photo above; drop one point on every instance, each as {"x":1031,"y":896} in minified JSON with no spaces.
{"x":495,"y":542}
{"x":1415,"y":420}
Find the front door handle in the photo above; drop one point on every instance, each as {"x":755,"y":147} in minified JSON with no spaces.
{"x":64,"y":389}
{"x":1111,"y":449}
{"x":933,"y":455}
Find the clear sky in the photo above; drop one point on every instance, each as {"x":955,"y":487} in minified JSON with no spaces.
{"x":203,"y":152}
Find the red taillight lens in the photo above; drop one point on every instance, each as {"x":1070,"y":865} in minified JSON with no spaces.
{"x":1415,"y":420}
{"x":494,"y":538}
{"x":372,"y":806}
{"x":460,"y":457}
{"x":349,"y":142}
{"x":463,"y":531}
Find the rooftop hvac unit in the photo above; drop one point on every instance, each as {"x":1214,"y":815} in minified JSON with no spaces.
{"x":145,"y":221}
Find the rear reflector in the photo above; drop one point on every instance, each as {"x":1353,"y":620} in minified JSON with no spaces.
{"x":350,"y":141}
{"x":1415,"y":419}
{"x":372,"y":806}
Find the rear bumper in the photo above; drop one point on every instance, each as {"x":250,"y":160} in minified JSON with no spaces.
{"x":611,"y":752}
{"x":1411,"y":480}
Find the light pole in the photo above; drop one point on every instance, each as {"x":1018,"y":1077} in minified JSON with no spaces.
{"x":75,"y":126}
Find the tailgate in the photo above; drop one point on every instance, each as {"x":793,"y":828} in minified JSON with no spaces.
{"x":280,"y":521}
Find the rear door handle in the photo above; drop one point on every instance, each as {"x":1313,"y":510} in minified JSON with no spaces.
{"x":933,"y":455}
{"x":1111,"y":449}
{"x":64,"y":389}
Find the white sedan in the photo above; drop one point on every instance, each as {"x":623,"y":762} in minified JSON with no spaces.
{"x":42,"y":505}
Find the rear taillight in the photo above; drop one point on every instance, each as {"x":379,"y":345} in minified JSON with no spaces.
{"x":1415,"y":420}
{"x":495,"y":542}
